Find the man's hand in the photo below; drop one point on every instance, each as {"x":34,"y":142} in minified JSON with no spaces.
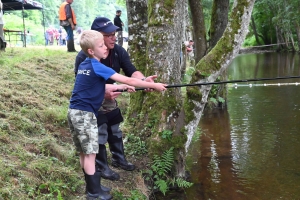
{"x":151,"y":80}
{"x":110,"y":93}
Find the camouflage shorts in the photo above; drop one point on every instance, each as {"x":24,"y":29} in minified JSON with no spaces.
{"x":84,"y":130}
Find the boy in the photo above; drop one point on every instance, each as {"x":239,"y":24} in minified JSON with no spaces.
{"x":87,"y":96}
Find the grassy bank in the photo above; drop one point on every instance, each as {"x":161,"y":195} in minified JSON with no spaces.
{"x":37,"y":157}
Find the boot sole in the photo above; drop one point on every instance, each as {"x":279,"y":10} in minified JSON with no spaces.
{"x":110,"y":178}
{"x":96,"y":198}
{"x":121,"y":166}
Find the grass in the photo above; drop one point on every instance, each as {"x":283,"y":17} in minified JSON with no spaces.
{"x":37,"y":157}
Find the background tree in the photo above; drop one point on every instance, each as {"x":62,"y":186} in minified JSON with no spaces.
{"x":167,"y":113}
{"x":199,"y":30}
{"x":219,"y":21}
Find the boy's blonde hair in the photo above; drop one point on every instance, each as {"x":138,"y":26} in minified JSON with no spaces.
{"x":88,"y":38}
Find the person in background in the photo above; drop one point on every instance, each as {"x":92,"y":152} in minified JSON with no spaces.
{"x":109,"y":131}
{"x":86,"y":99}
{"x":189,"y":48}
{"x":2,"y":42}
{"x":56,"y":36}
{"x":78,"y":34}
{"x":50,"y":33}
{"x":46,"y":38}
{"x":67,"y":19}
{"x":60,"y":35}
{"x":118,"y":22}
{"x":64,"y":37}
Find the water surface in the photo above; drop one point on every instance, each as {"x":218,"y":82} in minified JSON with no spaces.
{"x":251,"y":149}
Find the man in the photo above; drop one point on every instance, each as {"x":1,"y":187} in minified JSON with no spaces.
{"x":67,"y":19}
{"x":189,"y":48}
{"x":118,"y":22}
{"x":109,"y":130}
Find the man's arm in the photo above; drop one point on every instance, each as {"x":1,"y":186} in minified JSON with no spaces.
{"x":69,"y":16}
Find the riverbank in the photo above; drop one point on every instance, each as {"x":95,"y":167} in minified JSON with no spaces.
{"x":37,"y":155}
{"x":257,"y":49}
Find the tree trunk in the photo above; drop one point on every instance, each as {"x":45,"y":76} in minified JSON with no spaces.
{"x":186,"y":36}
{"x":219,"y":20}
{"x":137,"y":42}
{"x":292,"y":41}
{"x":253,"y":25}
{"x":154,"y":113}
{"x":279,"y":38}
{"x":162,"y":113}
{"x":298,"y":35}
{"x":214,"y":63}
{"x":199,"y":30}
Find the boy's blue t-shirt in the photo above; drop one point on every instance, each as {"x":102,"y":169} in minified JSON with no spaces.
{"x":89,"y":87}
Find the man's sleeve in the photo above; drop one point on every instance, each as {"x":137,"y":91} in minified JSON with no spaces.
{"x":79,"y":59}
{"x":126,"y":65}
{"x":68,"y":11}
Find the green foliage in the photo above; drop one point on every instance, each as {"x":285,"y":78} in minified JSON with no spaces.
{"x":180,"y":182}
{"x":188,"y":75}
{"x":197,"y":134}
{"x":217,"y":101}
{"x":167,"y":134}
{"x":134,"y":146}
{"x":160,"y":172}
{"x":134,"y":195}
{"x":250,"y":41}
{"x":85,"y":10}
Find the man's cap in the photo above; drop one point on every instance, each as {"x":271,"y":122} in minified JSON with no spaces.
{"x":103,"y":24}
{"x":118,"y":11}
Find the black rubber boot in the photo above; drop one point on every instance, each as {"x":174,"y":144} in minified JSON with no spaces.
{"x":102,"y":165}
{"x":105,"y":189}
{"x":93,"y":188}
{"x":118,"y":157}
{"x":71,"y":46}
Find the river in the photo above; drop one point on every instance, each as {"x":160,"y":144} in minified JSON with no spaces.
{"x":251,"y":148}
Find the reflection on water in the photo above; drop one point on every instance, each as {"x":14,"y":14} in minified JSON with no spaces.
{"x":251,"y":149}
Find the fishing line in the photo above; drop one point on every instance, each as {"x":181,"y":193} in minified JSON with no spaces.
{"x":265,"y":84}
{"x":221,"y":82}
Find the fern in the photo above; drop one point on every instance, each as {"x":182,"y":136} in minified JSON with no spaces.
{"x":162,"y":186}
{"x":182,"y":183}
{"x":161,"y":167}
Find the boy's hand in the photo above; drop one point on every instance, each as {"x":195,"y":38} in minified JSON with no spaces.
{"x":160,"y":87}
{"x":131,"y":89}
{"x":125,"y":87}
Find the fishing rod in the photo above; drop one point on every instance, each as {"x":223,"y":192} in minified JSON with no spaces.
{"x":220,"y":82}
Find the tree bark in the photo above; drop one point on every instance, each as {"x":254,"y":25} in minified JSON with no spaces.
{"x":253,"y":25}
{"x":137,"y":43}
{"x":298,"y":34}
{"x":161,"y":112}
{"x":214,"y":63}
{"x":219,"y":20}
{"x":153,"y":113}
{"x":199,"y":30}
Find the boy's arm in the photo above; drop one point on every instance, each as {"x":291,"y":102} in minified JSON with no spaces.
{"x":137,"y":82}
